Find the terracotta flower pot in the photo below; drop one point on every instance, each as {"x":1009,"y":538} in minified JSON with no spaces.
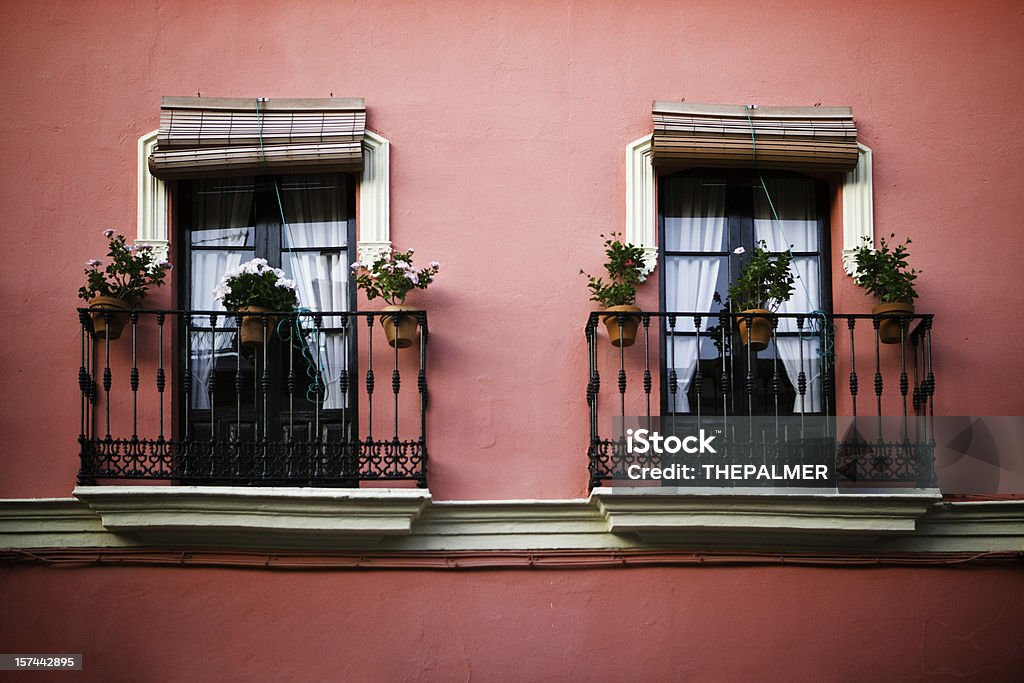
{"x":889,"y":327}
{"x":108,"y":325}
{"x":760,"y":329}
{"x":251,"y":329}
{"x":399,"y":329}
{"x":624,"y":334}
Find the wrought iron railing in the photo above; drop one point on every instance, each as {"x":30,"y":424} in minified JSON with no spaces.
{"x":693,"y":367}
{"x":179,"y":397}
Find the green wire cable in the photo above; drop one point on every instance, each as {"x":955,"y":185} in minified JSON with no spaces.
{"x":313,"y":369}
{"x":827,"y":335}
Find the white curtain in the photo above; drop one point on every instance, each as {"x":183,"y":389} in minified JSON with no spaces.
{"x":315,"y":218}
{"x":221,"y":213}
{"x":796,"y":229}
{"x":694,"y":221}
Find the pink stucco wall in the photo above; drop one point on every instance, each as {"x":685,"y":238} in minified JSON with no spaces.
{"x":761,"y":623}
{"x":508,"y":122}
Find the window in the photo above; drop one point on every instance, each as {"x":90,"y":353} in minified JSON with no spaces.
{"x":705,"y":216}
{"x":305,"y":225}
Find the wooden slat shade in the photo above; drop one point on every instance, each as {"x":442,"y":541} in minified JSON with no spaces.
{"x":807,"y":138}
{"x":208,"y":136}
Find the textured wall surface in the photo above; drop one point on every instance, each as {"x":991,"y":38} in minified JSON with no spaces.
{"x":508,"y":122}
{"x":761,"y":623}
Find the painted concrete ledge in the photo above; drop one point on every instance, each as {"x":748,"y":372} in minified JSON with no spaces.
{"x":283,"y":517}
{"x":406,"y":520}
{"x":745,"y":517}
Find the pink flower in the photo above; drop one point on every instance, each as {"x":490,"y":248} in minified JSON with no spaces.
{"x":629,"y":262}
{"x":108,"y":233}
{"x":92,"y":263}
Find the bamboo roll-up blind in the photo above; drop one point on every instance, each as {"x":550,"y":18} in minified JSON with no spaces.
{"x":204,"y":136}
{"x":808,"y":138}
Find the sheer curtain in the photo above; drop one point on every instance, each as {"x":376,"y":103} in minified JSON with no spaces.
{"x":316,"y":217}
{"x":797,"y":228}
{"x":694,"y":221}
{"x":220,"y":219}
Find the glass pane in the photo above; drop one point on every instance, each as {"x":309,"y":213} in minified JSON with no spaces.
{"x":322,"y":280}
{"x":222,"y":212}
{"x":316,"y":211}
{"x":691,"y":283}
{"x":694,"y":214}
{"x":806,"y":292}
{"x":208,"y":268}
{"x":796,"y":209}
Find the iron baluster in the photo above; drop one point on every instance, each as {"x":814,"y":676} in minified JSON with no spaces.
{"x":161,"y":381}
{"x":238,"y":378}
{"x":265,"y":380}
{"x":369,"y":378}
{"x":801,"y":381}
{"x":673,"y":378}
{"x":421,"y":381}
{"x":134,"y":376}
{"x":878,"y":378}
{"x":295,"y":342}
{"x":776,"y":378}
{"x":749,"y":379}
{"x":318,"y":381}
{"x":851,"y":323}
{"x":211,"y":382}
{"x":621,"y":319}
{"x":698,"y":376}
{"x":396,"y":382}
{"x":646,"y":320}
{"x":107,"y":376}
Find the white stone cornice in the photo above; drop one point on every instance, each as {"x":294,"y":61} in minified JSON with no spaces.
{"x":404,"y":520}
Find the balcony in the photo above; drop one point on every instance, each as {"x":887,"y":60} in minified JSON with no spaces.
{"x":180,"y":399}
{"x":824,"y":390}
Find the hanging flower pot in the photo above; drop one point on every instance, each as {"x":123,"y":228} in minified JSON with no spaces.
{"x":107,"y":324}
{"x":623,"y":334}
{"x":885,"y":273}
{"x":251,"y":329}
{"x":400,"y":329}
{"x":889,"y":326}
{"x":119,"y":285}
{"x":760,"y":332}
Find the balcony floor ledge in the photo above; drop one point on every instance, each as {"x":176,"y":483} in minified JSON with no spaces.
{"x":278,"y":517}
{"x":741,"y":516}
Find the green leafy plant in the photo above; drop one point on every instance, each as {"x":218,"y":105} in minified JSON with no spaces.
{"x":884,"y":272}
{"x":764,"y":282}
{"x":256,"y":283}
{"x":128,"y":275}
{"x":625,"y":268}
{"x":391,"y":276}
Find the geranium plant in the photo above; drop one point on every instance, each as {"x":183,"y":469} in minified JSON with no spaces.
{"x":765,"y":282}
{"x":884,"y":272}
{"x":391,"y":276}
{"x":625,"y":268}
{"x":128,"y":275}
{"x":256,"y":283}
